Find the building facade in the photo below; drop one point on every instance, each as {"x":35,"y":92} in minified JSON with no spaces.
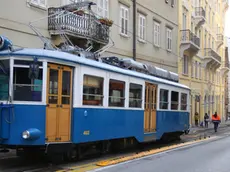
{"x":202,"y":63}
{"x":156,"y":27}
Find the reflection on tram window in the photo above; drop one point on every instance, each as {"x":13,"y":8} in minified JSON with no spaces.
{"x":4,"y":79}
{"x":116,"y":93}
{"x":135,"y":95}
{"x":174,"y":100}
{"x":26,"y":89}
{"x":93,"y":90}
{"x":164,"y":99}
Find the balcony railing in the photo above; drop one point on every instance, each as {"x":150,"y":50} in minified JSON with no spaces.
{"x":85,"y":26}
{"x":220,"y":37}
{"x":208,"y":52}
{"x":199,"y":12}
{"x":188,"y":36}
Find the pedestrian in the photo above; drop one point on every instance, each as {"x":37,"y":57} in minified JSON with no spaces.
{"x":216,"y":120}
{"x":196,"y":119}
{"x":206,"y":120}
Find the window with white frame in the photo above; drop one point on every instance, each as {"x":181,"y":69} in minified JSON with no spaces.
{"x":169,"y":39}
{"x":156,"y":35}
{"x":174,"y":100}
{"x":192,"y":68}
{"x":185,"y":65}
{"x":200,"y":70}
{"x":142,"y":27}
{"x":41,"y":3}
{"x":4,"y":79}
{"x":124,"y":19}
{"x":103,"y":8}
{"x":164,"y":99}
{"x":183,"y":101}
{"x":25,"y":88}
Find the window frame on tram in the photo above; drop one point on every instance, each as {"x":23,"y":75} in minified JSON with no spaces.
{"x":8,"y":92}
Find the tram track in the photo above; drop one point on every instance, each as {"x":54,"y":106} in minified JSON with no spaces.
{"x":16,"y":164}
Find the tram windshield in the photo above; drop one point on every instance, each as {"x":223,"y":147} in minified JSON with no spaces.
{"x":4,"y":79}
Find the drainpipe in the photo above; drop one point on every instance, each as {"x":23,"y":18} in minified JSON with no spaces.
{"x":134,"y":30}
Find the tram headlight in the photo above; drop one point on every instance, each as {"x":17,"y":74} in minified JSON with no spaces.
{"x":31,"y":134}
{"x":26,"y":135}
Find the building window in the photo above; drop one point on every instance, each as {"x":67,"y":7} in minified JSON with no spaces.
{"x":185,"y":65}
{"x":183,"y":101}
{"x":142,"y":27}
{"x":116,"y":93}
{"x":103,"y":8}
{"x":124,"y":18}
{"x":93,"y":90}
{"x":41,"y":3}
{"x":135,"y":95}
{"x":192,"y":68}
{"x":196,"y":69}
{"x":24,"y":88}
{"x":169,"y":39}
{"x":200,"y":70}
{"x":4,"y":79}
{"x":174,"y":100}
{"x":164,"y":99}
{"x":156,"y":36}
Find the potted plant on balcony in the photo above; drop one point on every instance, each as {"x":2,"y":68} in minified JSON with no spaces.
{"x":106,"y":21}
{"x":79,"y":12}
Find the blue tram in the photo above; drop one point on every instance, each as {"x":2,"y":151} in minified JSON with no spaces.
{"x":58,"y":102}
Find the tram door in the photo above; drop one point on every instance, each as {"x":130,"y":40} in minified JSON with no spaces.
{"x":150,"y":108}
{"x":59,"y":100}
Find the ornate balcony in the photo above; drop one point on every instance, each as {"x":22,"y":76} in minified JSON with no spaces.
{"x":211,"y":58}
{"x":226,"y":66}
{"x":78,"y":28}
{"x":199,"y":16}
{"x":220,"y":40}
{"x":189,"y":42}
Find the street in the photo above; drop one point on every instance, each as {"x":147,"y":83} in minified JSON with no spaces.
{"x":210,"y":156}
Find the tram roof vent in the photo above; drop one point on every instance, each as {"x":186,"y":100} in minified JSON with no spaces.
{"x":130,"y":64}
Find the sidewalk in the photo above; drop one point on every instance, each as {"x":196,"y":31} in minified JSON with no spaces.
{"x":210,"y":127}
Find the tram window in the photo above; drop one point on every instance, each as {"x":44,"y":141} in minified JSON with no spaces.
{"x":25,"y":62}
{"x":183,"y":101}
{"x":164,"y":99}
{"x":93,"y":90}
{"x":4,"y":79}
{"x":116,"y":93}
{"x":174,"y":100}
{"x":135,"y":95}
{"x":26,"y":89}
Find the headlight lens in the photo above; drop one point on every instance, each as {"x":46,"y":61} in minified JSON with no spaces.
{"x":25,"y":135}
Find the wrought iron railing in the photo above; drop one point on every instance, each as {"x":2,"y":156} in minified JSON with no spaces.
{"x":210,"y":52}
{"x":187,"y":35}
{"x":84,"y":26}
{"x":200,"y":12}
{"x":220,"y":37}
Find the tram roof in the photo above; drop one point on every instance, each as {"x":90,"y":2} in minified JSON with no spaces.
{"x":63,"y":56}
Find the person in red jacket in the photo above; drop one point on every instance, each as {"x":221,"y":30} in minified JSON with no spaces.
{"x":216,"y":120}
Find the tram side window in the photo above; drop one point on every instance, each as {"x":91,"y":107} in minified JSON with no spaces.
{"x":164,"y":99}
{"x":183,"y":101}
{"x":135,"y":95}
{"x":116,"y":93}
{"x":26,"y":89}
{"x":4,"y":79}
{"x":174,"y":100}
{"x":93,"y":90}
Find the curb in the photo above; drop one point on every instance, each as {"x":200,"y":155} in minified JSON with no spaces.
{"x":208,"y":129}
{"x":147,"y":153}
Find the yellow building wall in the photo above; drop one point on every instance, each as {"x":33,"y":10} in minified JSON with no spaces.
{"x":210,"y":82}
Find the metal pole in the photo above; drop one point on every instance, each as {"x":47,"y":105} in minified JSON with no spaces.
{"x":134,"y":30}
